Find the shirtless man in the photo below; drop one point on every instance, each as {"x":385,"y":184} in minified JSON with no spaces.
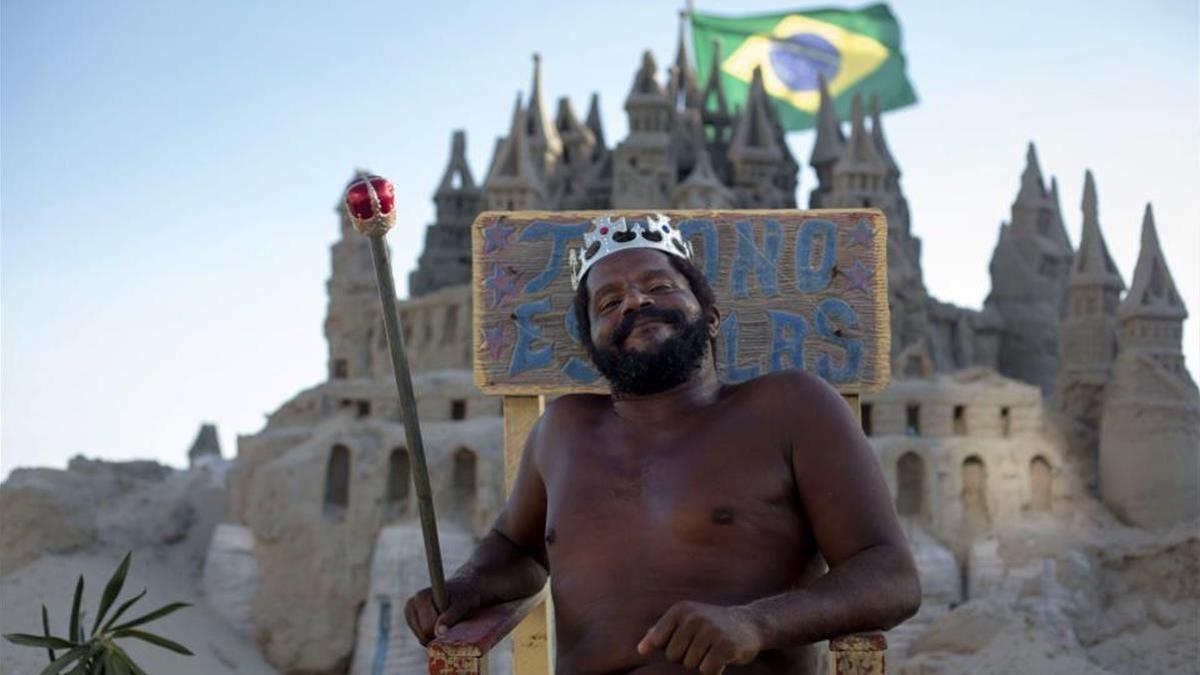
{"x":684,"y":520}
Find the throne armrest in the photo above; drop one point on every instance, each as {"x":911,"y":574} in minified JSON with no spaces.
{"x":463,"y":648}
{"x":858,"y":654}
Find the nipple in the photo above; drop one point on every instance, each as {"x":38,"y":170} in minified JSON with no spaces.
{"x":722,"y":515}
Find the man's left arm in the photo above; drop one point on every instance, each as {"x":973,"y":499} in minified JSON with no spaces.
{"x":872,"y":583}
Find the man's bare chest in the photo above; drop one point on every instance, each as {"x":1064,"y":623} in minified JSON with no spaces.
{"x":714,"y":486}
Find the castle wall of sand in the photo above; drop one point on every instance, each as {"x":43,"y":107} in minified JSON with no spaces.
{"x":97,"y":511}
{"x":1149,"y":463}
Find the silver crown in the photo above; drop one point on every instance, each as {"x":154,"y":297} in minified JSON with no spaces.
{"x":609,"y":235}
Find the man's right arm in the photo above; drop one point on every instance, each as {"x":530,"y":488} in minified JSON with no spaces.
{"x":509,"y":562}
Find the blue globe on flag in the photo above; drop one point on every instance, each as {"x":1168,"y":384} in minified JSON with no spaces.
{"x":799,"y":59}
{"x":854,"y":51}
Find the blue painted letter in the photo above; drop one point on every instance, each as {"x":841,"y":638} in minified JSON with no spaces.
{"x":524,"y":358}
{"x":808,"y":279}
{"x":689,"y":228}
{"x":576,"y":368}
{"x":749,"y":254}
{"x":562,"y":234}
{"x":729,"y":334}
{"x":832,"y":310}
{"x":787,"y":339}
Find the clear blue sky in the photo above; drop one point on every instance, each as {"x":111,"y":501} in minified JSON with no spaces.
{"x":169,"y":170}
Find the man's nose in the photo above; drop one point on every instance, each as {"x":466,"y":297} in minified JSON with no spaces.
{"x":635,"y":301}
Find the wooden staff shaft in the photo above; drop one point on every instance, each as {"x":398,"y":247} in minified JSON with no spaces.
{"x":408,"y":412}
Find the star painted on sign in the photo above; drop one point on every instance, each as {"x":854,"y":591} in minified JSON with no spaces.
{"x":862,"y":234}
{"x":503,"y":282}
{"x":495,"y":236}
{"x":495,"y":342}
{"x":859,"y":276}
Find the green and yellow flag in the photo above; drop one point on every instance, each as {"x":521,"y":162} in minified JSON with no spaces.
{"x":856,"y":50}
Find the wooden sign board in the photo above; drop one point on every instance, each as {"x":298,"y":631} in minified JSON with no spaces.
{"x":796,"y":289}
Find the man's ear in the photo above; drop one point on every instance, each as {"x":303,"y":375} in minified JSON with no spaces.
{"x":714,"y":321}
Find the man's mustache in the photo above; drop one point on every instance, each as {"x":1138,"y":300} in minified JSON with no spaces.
{"x":672,"y":317}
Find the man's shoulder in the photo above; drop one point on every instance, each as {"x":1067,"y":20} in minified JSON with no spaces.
{"x":789,"y":387}
{"x":570,"y":410}
{"x":797,"y":400}
{"x":809,"y":410}
{"x":571,"y":403}
{"x":562,"y":420}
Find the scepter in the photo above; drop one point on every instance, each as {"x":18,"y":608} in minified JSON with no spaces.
{"x":371,"y":205}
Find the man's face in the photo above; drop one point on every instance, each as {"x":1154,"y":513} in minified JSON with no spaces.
{"x":647,"y":326}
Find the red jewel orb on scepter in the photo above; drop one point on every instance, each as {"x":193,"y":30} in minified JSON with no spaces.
{"x":371,"y":204}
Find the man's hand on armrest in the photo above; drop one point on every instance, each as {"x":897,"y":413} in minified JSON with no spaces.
{"x":424,"y":619}
{"x":873,"y":590}
{"x":497,"y":572}
{"x":509,"y":563}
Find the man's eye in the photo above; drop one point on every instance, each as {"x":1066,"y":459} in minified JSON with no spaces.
{"x":608,"y":304}
{"x":660,"y":287}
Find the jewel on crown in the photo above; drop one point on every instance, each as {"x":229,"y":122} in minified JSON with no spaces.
{"x":609,"y":235}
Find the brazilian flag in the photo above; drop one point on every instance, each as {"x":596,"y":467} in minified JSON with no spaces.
{"x":856,"y":51}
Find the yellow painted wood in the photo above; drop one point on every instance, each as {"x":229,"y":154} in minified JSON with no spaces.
{"x":855,"y":403}
{"x":520,"y":414}
{"x":532,"y":653}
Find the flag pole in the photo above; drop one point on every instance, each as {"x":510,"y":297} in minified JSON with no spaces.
{"x":685,"y":16}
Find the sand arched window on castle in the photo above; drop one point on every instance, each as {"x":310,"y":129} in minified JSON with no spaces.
{"x":362,"y":408}
{"x":910,"y":485}
{"x":450,"y":325}
{"x":1040,"y":484}
{"x":914,"y":364}
{"x":337,"y":483}
{"x":974,"y":495}
{"x":466,"y":477}
{"x":406,"y":320}
{"x":912,"y":419}
{"x":398,"y":479}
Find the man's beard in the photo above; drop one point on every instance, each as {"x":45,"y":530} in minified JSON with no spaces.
{"x":668,"y":365}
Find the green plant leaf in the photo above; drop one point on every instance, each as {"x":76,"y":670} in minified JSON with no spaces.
{"x":56,"y":666}
{"x":133,"y":667}
{"x":74,"y":632}
{"x":93,"y":664}
{"x":46,"y":631}
{"x":111,"y":590}
{"x":121,"y":610}
{"x":154,"y":640}
{"x":48,"y":641}
{"x":160,"y":612}
{"x":113,"y":665}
